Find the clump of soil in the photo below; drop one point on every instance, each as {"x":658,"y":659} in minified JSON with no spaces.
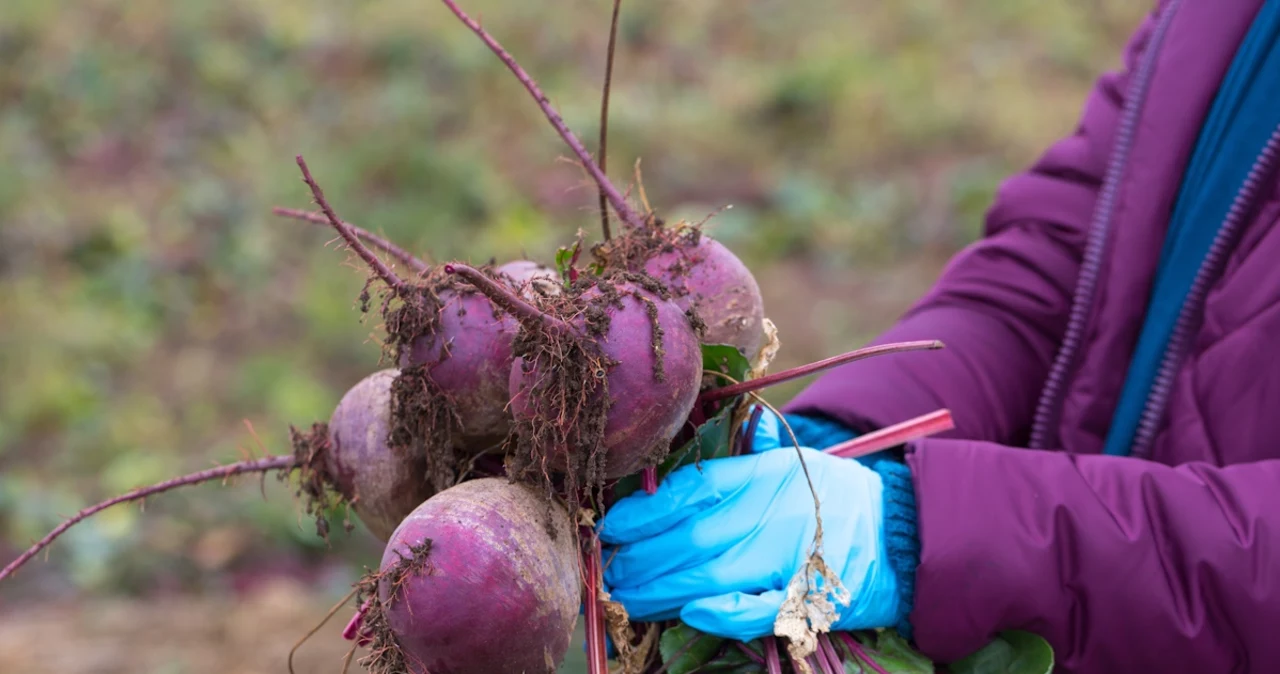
{"x":311,"y":456}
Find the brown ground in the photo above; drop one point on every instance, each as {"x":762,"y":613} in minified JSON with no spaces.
{"x":181,"y":635}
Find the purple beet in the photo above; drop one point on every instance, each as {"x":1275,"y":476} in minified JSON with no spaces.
{"x":383,"y":485}
{"x":700,"y":274}
{"x":526,"y":270}
{"x":482,"y":578}
{"x":453,"y":348}
{"x":646,"y":413}
{"x":644,"y":349}
{"x":714,"y":282}
{"x":468,"y":359}
{"x":532,"y":278}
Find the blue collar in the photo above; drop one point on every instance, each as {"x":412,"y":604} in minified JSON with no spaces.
{"x":1243,"y":116}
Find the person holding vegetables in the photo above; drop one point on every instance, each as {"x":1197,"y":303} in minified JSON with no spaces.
{"x":1113,"y":480}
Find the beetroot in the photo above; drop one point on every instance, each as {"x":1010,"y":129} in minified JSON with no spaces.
{"x":482,"y":578}
{"x":709,"y":278}
{"x":700,"y":273}
{"x":467,"y":357}
{"x":651,"y":388}
{"x":521,"y":271}
{"x":381,"y":484}
{"x":604,"y":375}
{"x":453,"y":348}
{"x":532,"y":279}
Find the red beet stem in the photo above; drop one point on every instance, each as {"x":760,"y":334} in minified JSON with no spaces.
{"x":365,"y":254}
{"x":355,"y":628}
{"x":748,"y":652}
{"x":504,"y":298}
{"x":891,"y":436}
{"x":604,"y":114}
{"x":828,"y":653}
{"x":649,"y":479}
{"x":748,"y":437}
{"x":772,"y":660}
{"x":615,"y":197}
{"x":405,"y":257}
{"x":597,"y":655}
{"x":859,"y":654}
{"x":221,"y":472}
{"x":573,"y":261}
{"x":732,"y":390}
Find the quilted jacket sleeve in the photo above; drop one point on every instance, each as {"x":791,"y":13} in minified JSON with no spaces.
{"x":1001,"y":306}
{"x":1124,"y":565}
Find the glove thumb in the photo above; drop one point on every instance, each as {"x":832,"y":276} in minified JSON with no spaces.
{"x":735,"y":615}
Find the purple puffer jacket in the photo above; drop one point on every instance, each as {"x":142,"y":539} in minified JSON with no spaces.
{"x":1167,"y":561}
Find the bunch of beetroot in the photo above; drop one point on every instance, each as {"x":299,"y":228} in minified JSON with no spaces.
{"x":522,"y":394}
{"x":519,"y":398}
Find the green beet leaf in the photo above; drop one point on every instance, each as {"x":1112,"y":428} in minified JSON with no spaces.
{"x":896,"y":656}
{"x":564,"y":259}
{"x":684,"y":649}
{"x":732,"y":660}
{"x":1014,"y":652}
{"x":888,"y":650}
{"x":726,"y":359}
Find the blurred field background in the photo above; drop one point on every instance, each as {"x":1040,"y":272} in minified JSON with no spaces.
{"x":151,"y":304}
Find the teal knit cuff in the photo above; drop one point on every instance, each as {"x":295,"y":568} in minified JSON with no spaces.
{"x":818,"y":432}
{"x":901,"y":536}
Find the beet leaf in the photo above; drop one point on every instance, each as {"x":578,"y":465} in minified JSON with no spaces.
{"x":1013,"y":652}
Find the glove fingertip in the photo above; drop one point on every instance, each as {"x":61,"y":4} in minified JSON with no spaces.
{"x":735,"y":615}
{"x":682,"y":494}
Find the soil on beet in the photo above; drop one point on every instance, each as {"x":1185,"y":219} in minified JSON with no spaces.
{"x":383,"y":654}
{"x":411,"y":311}
{"x":426,"y":419}
{"x":314,"y":490}
{"x":425,"y":422}
{"x":700,"y":274}
{"x":567,"y":404}
{"x":636,"y":246}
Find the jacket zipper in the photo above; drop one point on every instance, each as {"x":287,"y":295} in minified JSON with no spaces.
{"x":1042,"y":428}
{"x":1209,"y":271}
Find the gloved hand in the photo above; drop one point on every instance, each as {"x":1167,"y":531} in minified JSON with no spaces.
{"x":717,"y":545}
{"x":812,"y":431}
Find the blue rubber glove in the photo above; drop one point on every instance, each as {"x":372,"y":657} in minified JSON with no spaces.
{"x":812,"y":431}
{"x":716,"y":547}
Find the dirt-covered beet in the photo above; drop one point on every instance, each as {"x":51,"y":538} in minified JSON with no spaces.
{"x":482,"y":578}
{"x":467,"y":359}
{"x":654,"y":367}
{"x":604,"y":376}
{"x":532,"y":279}
{"x":454,"y":350}
{"x":521,"y":271}
{"x":708,"y":277}
{"x":700,"y":273}
{"x":382,"y":485}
